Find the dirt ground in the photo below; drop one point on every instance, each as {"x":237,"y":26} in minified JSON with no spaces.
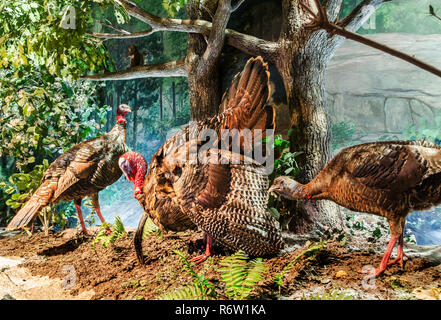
{"x":114,"y":273}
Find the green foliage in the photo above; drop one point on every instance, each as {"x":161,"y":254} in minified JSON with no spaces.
{"x":240,"y":275}
{"x":286,"y":165}
{"x":174,"y":6}
{"x":35,"y":33}
{"x":200,"y":289}
{"x":342,"y":134}
{"x":106,"y":239}
{"x":309,"y":253}
{"x":426,"y":128}
{"x":332,"y":295}
{"x":41,"y":116}
{"x":149,"y":228}
{"x":21,"y":186}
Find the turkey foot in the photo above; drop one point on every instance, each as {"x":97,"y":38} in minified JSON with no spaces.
{"x":208,"y":251}
{"x":400,"y":253}
{"x":384,"y":261}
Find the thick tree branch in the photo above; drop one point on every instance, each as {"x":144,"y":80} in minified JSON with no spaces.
{"x":246,"y":43}
{"x":168,"y":69}
{"x":216,"y":39}
{"x":333,"y":8}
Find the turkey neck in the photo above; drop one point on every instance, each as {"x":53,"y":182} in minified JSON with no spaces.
{"x":118,"y":132}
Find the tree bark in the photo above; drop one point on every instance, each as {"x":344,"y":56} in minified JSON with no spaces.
{"x":205,"y":89}
{"x":173,"y":100}
{"x":161,"y":110}
{"x":302,"y":63}
{"x":135,"y":119}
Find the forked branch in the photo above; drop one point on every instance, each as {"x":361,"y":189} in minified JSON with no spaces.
{"x":320,"y":20}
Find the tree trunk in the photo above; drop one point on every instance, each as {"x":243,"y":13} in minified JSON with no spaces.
{"x":302,"y":64}
{"x":173,"y":100}
{"x":135,"y":119}
{"x":161,"y":110}
{"x":204,"y":91}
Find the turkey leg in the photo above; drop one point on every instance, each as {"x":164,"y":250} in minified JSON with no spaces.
{"x":400,"y":253}
{"x":384,"y":261}
{"x":96,"y":207}
{"x":77,"y":203}
{"x":208,"y":250}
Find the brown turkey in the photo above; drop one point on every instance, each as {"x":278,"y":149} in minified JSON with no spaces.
{"x":227,"y":201}
{"x":83,"y":170}
{"x":388,"y":179}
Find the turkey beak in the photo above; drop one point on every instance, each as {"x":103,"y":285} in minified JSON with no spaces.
{"x":272,"y":190}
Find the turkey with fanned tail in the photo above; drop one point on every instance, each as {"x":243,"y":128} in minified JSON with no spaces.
{"x":226,"y":199}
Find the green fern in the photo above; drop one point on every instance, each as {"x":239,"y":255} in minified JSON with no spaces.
{"x":332,"y":295}
{"x":149,"y":228}
{"x":200,"y":289}
{"x":309,"y":253}
{"x":240,"y":275}
{"x":106,"y":239}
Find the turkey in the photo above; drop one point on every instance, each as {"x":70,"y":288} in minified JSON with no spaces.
{"x":227,"y":201}
{"x":83,"y":170}
{"x":388,"y":179}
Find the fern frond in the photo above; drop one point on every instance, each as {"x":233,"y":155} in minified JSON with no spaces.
{"x":309,"y":253}
{"x":201,"y":289}
{"x":240,"y":275}
{"x":196,"y":291}
{"x":118,"y":231}
{"x":149,"y":228}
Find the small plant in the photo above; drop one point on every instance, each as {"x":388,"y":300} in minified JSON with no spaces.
{"x":285,"y":165}
{"x":105,"y":238}
{"x":332,"y":295}
{"x":149,"y":228}
{"x":240,"y":275}
{"x":309,"y":253}
{"x":200,"y":289}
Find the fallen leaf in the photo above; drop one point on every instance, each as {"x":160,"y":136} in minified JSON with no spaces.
{"x":341,"y":274}
{"x":427,"y":294}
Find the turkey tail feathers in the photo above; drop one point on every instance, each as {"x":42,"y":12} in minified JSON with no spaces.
{"x":247,"y":95}
{"x":137,"y":240}
{"x":32,"y":208}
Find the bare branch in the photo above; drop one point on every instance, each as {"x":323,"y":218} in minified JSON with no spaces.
{"x":168,"y":69}
{"x":122,"y":35}
{"x":109,"y":25}
{"x":238,"y":4}
{"x":216,"y":38}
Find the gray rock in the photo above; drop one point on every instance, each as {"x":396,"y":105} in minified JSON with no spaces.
{"x":359,"y":75}
{"x":398,"y":116}
{"x":421,"y":112}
